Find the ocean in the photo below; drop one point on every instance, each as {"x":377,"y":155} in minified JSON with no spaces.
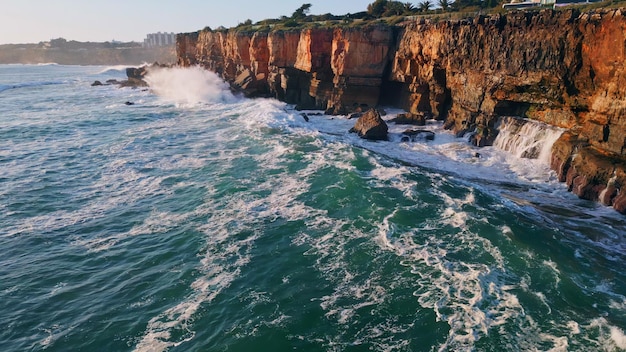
{"x":191,"y":219}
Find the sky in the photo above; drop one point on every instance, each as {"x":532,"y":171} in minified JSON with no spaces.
{"x":34,"y":21}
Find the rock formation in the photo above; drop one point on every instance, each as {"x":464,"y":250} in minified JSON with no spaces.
{"x":371,"y":126}
{"x":564,"y":68}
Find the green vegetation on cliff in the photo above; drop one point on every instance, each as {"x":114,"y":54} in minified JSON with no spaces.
{"x":393,"y":13}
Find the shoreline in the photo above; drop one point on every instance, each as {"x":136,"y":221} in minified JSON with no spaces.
{"x":547,"y":66}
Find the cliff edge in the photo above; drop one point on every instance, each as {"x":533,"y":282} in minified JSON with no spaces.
{"x":563,"y":68}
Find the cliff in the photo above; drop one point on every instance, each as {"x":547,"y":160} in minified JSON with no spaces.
{"x":564,"y":68}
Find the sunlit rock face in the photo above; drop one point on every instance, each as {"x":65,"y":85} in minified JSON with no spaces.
{"x":563,"y":68}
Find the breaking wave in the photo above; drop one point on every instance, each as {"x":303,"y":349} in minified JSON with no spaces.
{"x":189,"y":86}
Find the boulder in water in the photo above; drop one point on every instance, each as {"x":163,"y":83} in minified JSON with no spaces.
{"x":371,"y":126}
{"x":414,"y":135}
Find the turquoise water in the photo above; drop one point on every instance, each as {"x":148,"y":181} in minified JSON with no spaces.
{"x":198,"y":221}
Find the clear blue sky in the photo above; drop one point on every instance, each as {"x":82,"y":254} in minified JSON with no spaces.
{"x":32,"y":21}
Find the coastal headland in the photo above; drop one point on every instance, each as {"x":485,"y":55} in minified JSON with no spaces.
{"x":71,"y":52}
{"x":564,"y":68}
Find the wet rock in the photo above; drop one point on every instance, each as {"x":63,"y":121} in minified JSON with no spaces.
{"x":410,"y":119}
{"x":619,"y":202}
{"x":371,"y":126}
{"x":415,"y":135}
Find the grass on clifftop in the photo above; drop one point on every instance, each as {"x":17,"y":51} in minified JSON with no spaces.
{"x":465,"y":9}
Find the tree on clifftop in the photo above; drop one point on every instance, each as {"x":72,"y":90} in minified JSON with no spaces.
{"x":301,"y":11}
{"x":386,"y":8}
{"x":377,"y":8}
{"x":394,"y":8}
{"x":408,"y":7}
{"x":444,"y":4}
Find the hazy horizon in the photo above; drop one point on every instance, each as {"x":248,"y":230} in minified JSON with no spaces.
{"x":34,"y":21}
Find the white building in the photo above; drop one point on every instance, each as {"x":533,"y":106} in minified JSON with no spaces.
{"x":159,"y":39}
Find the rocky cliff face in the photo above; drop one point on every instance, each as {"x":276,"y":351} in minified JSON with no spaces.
{"x":564,"y":68}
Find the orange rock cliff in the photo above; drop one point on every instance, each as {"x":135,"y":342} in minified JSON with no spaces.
{"x":565,"y":68}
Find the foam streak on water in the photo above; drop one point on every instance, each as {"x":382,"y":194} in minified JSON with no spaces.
{"x":196,"y":220}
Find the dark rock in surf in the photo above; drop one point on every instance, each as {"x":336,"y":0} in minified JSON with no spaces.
{"x":619,"y":202}
{"x":355,"y":115}
{"x":414,"y":135}
{"x":97,"y":83}
{"x":371,"y":126}
{"x":136,"y":76}
{"x":410,"y":119}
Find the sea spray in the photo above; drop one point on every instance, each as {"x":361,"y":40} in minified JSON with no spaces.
{"x":526,"y":138}
{"x":188,"y":86}
{"x":114,"y":69}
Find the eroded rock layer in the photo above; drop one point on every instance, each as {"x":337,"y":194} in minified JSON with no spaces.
{"x":564,"y":68}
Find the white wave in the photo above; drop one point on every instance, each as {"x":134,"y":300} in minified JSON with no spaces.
{"x":394,"y":176}
{"x":611,"y":337}
{"x":526,"y":138}
{"x":226,"y":256}
{"x":544,"y":300}
{"x":156,"y":223}
{"x":119,"y":185}
{"x":555,"y":271}
{"x":470,"y":297}
{"x":367,"y":294}
{"x":53,"y":334}
{"x":385,"y":232}
{"x":506,"y":230}
{"x":220,"y":266}
{"x":467,"y":296}
{"x":574,"y":327}
{"x":114,"y":69}
{"x":618,"y":337}
{"x":446,"y":153}
{"x":188,"y":86}
{"x":560,"y":344}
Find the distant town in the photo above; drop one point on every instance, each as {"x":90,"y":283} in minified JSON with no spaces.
{"x":159,"y":39}
{"x":156,"y":47}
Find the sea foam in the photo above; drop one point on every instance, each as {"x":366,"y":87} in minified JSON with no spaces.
{"x":188,"y":86}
